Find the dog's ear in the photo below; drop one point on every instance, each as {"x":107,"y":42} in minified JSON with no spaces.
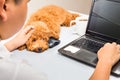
{"x":22,"y":47}
{"x":53,"y":34}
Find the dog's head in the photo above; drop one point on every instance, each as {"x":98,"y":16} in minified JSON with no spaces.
{"x":38,"y":41}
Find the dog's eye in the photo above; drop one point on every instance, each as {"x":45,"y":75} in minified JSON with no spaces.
{"x":42,"y":39}
{"x":34,"y":40}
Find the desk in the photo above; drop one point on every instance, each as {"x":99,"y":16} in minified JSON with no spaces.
{"x":55,"y":65}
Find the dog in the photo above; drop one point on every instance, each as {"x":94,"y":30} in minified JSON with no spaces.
{"x":47,"y":22}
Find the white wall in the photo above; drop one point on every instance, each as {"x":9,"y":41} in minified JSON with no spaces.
{"x":82,"y":6}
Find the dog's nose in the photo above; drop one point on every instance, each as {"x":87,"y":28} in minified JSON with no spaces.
{"x":39,"y":49}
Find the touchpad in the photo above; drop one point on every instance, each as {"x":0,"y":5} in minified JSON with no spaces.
{"x":86,"y":56}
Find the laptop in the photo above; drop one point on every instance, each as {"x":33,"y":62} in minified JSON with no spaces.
{"x":103,"y":26}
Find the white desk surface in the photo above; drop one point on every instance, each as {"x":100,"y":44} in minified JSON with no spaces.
{"x":55,"y":65}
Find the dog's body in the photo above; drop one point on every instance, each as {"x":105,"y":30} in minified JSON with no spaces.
{"x":51,"y":17}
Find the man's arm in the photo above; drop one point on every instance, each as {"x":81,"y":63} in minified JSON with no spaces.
{"x":102,"y":71}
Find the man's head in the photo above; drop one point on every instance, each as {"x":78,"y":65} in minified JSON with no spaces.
{"x":12,"y":16}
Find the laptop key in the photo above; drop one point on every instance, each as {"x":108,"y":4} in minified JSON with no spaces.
{"x":79,"y":42}
{"x":92,"y":46}
{"x":88,"y":44}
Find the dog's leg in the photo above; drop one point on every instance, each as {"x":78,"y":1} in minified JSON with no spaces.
{"x":22,"y":47}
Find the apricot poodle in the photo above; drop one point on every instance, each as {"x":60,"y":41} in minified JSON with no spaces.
{"x":47,"y":22}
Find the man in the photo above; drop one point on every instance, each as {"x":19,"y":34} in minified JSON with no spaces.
{"x":12,"y":18}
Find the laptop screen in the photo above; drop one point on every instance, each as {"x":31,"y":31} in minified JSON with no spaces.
{"x":105,"y":19}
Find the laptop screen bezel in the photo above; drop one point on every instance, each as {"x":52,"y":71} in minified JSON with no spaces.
{"x":93,"y":33}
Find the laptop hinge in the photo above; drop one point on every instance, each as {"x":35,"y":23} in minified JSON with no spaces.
{"x":98,"y":38}
{"x":118,"y":41}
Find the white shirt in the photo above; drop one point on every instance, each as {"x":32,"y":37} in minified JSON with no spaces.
{"x":16,"y":70}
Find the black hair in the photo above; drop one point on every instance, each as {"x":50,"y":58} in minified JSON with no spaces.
{"x":17,"y":1}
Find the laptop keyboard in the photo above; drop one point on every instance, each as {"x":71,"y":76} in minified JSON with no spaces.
{"x":88,"y":44}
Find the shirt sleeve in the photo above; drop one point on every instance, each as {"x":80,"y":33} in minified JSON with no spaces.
{"x":4,"y":53}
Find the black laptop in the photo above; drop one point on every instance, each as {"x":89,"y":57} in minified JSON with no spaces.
{"x":103,"y":26}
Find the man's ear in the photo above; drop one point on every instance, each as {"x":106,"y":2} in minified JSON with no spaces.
{"x":3,"y":13}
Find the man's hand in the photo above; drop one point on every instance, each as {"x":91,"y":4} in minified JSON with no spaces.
{"x":109,"y":53}
{"x":20,"y":38}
